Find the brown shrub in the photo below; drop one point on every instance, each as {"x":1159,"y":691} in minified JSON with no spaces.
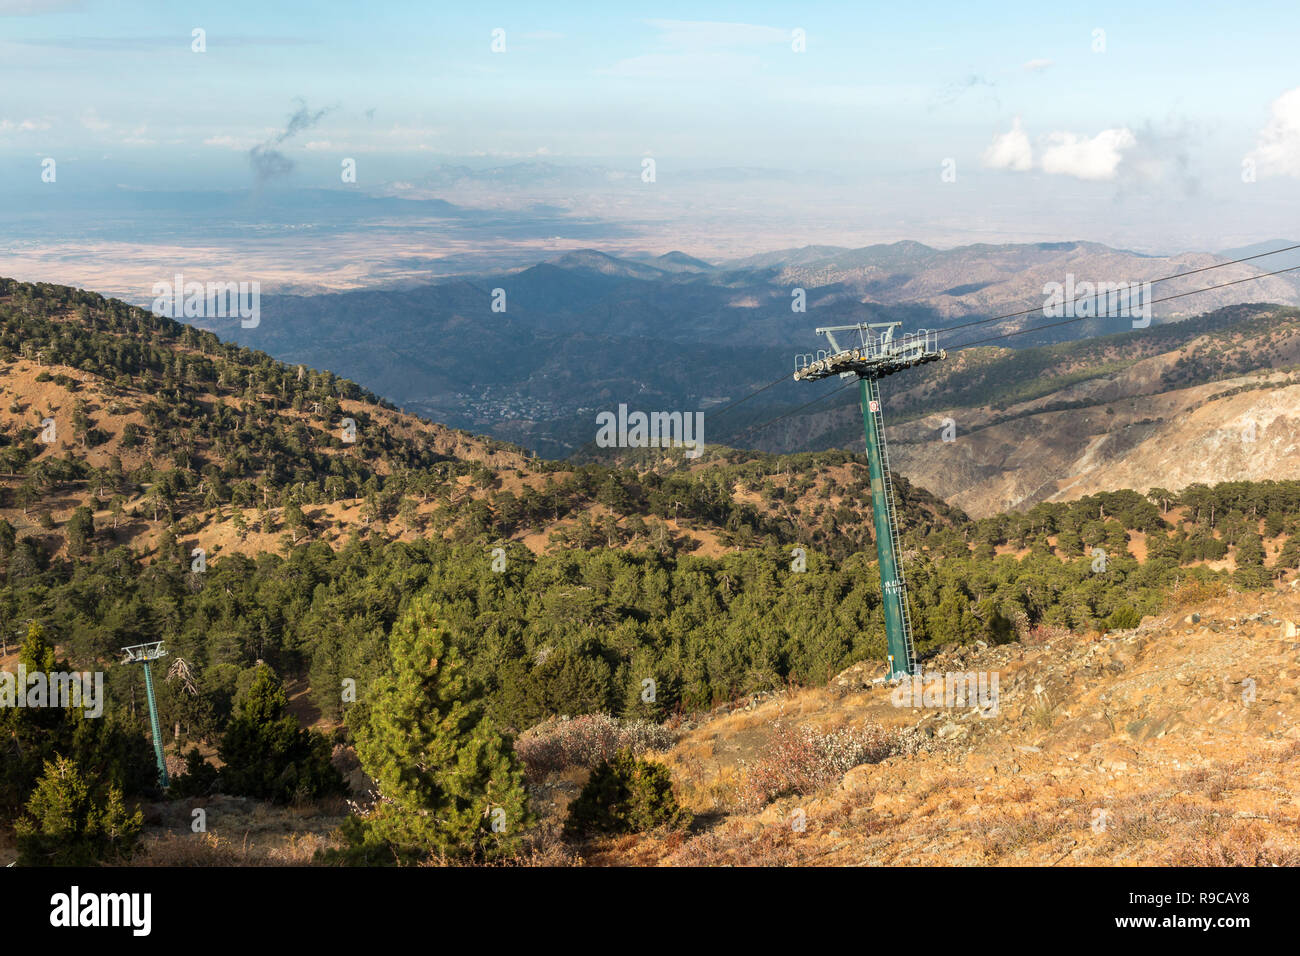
{"x":803,"y":760}
{"x":585,"y":741}
{"x":1240,"y":846}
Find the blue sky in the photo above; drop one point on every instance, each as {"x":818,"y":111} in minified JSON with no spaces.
{"x":715,"y":82}
{"x":1181,"y":95}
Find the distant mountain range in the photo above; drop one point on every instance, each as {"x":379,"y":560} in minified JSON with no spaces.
{"x":586,"y":331}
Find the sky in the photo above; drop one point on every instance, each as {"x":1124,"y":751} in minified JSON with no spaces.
{"x":1137,"y":120}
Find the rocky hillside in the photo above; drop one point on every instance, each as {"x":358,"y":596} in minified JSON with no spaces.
{"x":1173,"y":743}
{"x":1206,"y":400}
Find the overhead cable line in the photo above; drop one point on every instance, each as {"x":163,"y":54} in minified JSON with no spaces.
{"x":794,"y":411}
{"x":1007,"y":335}
{"x":1084,"y":318}
{"x":1177,"y":275}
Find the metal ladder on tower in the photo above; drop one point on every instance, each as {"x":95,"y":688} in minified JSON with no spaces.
{"x":877,"y":413}
{"x":879,"y":353}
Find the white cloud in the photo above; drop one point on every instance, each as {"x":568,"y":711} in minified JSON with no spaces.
{"x":90,"y":119}
{"x":140,"y":137}
{"x":1010,"y":150}
{"x":1061,"y":153}
{"x":1277,"y":150}
{"x":1036,"y":66}
{"x":229,"y":142}
{"x":23,"y":126}
{"x":1069,"y":154}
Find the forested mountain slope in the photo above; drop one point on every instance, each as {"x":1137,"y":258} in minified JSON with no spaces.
{"x":565,"y":587}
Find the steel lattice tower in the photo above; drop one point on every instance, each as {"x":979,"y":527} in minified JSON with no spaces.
{"x":878,"y":354}
{"x":143,"y":654}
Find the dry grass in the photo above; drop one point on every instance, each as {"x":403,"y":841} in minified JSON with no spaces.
{"x":212,"y":849}
{"x":1003,"y":834}
{"x":703,"y":789}
{"x":1196,"y":593}
{"x":1041,"y":711}
{"x":775,"y":845}
{"x":240,"y":833}
{"x":1242,"y":845}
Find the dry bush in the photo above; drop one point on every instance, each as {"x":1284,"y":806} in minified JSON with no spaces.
{"x":1193,"y":822}
{"x":804,"y":760}
{"x":1041,"y":711}
{"x":300,"y":849}
{"x":858,"y":800}
{"x":1213,"y":781}
{"x":1041,"y":634}
{"x":544,"y":846}
{"x":191,"y":849}
{"x":1004,"y":833}
{"x":1288,"y":752}
{"x":704,"y":789}
{"x":1240,"y":846}
{"x":936,"y":785}
{"x":1194,"y":779}
{"x":766,"y":846}
{"x":1194,"y":592}
{"x":1134,"y":828}
{"x":585,"y":741}
{"x":954,"y":804}
{"x":1219,"y":784}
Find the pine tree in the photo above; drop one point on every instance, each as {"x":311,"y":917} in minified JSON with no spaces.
{"x":449,"y":783}
{"x":107,"y":749}
{"x":67,"y":826}
{"x":626,"y":795}
{"x":80,"y":532}
{"x":295,"y":520}
{"x":1250,"y":571}
{"x":7,"y":539}
{"x":28,"y":733}
{"x":266,"y":754}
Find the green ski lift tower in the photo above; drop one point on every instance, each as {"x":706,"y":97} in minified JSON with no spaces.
{"x":879,"y":352}
{"x":143,"y":654}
